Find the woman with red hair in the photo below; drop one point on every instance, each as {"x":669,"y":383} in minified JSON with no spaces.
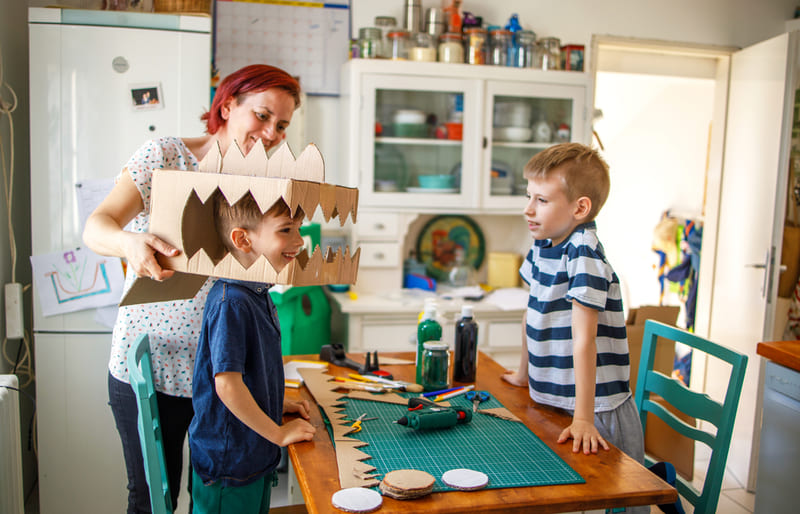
{"x":253,"y":105}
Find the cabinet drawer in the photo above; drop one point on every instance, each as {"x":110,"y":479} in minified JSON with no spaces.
{"x":379,"y":255}
{"x":505,"y":335}
{"x":377,"y":225}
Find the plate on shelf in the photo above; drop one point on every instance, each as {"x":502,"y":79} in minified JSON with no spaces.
{"x":432,"y":190}
{"x":439,"y":238}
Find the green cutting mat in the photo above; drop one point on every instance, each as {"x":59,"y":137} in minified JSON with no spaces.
{"x":507,"y":451}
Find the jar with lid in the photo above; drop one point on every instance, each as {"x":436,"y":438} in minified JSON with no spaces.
{"x":435,"y":366}
{"x":475,"y":44}
{"x":386,"y":24}
{"x":423,"y":48}
{"x":549,"y":53}
{"x":499,"y":47}
{"x":525,"y":49}
{"x":399,"y":40}
{"x":369,"y":41}
{"x":451,"y":48}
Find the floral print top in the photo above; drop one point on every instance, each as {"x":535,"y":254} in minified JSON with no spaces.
{"x":173,"y":327}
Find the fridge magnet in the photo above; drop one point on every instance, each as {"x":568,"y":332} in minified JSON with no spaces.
{"x":146,"y":96}
{"x":76,"y":279}
{"x":182,"y":209}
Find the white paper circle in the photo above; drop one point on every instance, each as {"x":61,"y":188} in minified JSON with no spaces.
{"x":357,"y":499}
{"x":466,"y":479}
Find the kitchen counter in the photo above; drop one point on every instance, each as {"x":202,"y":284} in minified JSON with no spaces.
{"x":785,"y":353}
{"x":387,"y":322}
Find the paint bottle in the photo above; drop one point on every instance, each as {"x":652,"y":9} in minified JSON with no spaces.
{"x":428,"y":329}
{"x":466,"y":347}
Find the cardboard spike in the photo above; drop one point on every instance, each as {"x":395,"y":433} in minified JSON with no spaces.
{"x":255,"y":164}
{"x":205,"y":186}
{"x":233,"y":162}
{"x":310,"y":165}
{"x":234,"y":190}
{"x":267,"y":192}
{"x":281,"y":164}
{"x":212,"y":162}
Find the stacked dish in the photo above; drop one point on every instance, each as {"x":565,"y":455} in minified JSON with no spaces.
{"x":512,"y":122}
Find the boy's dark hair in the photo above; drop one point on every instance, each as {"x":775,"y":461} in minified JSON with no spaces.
{"x":581,"y":168}
{"x":245,"y":214}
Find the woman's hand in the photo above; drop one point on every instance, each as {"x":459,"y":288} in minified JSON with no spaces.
{"x":140,"y":250}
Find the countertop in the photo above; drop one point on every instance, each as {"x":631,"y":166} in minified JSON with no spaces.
{"x":785,"y":353}
{"x":512,"y":300}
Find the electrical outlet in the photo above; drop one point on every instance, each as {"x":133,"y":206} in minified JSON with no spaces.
{"x":15,"y":325}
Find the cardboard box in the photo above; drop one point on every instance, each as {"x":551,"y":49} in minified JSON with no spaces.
{"x":181,"y":215}
{"x":504,"y":269}
{"x":660,"y":441}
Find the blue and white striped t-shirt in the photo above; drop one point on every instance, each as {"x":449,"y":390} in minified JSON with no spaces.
{"x":575,"y":270}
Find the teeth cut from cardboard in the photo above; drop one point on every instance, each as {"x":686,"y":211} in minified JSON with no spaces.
{"x":182,"y":214}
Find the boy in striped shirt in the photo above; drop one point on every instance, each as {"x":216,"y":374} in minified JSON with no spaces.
{"x":575,"y":348}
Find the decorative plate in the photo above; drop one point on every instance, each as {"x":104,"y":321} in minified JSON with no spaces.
{"x":439,"y":238}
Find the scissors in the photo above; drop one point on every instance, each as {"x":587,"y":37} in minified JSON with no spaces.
{"x":477,"y":397}
{"x":356,"y":426}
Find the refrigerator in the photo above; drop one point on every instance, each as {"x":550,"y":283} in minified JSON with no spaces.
{"x":101,"y":83}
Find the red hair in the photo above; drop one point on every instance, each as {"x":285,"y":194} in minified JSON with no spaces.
{"x":250,"y":79}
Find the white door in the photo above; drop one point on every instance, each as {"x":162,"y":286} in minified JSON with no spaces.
{"x":751,"y":215}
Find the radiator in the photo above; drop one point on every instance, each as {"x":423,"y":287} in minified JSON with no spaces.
{"x":11,"y":496}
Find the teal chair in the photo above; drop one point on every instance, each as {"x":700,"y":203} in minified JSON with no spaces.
{"x":700,"y":406}
{"x":155,"y":465}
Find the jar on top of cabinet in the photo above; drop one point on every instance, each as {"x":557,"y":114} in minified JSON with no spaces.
{"x":423,"y":48}
{"x":549,"y":53}
{"x":399,"y":40}
{"x":451,"y":48}
{"x":386,"y":24}
{"x":525,"y":49}
{"x":475,"y":45}
{"x":369,"y":42}
{"x":499,"y":47}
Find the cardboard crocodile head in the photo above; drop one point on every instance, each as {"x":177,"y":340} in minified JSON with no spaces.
{"x":182,"y":214}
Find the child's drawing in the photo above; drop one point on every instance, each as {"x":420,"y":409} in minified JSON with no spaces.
{"x":76,"y":279}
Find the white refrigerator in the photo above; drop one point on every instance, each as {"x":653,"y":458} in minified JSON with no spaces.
{"x":101,"y":83}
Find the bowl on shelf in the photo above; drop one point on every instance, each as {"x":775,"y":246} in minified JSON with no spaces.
{"x":436,"y":181}
{"x":515,"y":134}
{"x":410,"y":129}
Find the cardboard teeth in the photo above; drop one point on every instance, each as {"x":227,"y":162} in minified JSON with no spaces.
{"x":182,"y":214}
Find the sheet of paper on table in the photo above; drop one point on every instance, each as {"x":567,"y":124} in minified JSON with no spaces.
{"x":509,"y":298}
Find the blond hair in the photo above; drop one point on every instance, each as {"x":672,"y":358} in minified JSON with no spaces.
{"x":581,"y":168}
{"x":244,"y":213}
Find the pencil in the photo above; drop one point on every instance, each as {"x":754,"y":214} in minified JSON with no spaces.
{"x":447,"y":396}
{"x":443,"y":391}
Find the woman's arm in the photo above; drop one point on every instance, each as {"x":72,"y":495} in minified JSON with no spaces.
{"x":104,"y":232}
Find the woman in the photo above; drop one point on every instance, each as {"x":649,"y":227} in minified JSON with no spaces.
{"x":254,"y":103}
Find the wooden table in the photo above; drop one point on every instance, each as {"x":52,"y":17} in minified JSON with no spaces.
{"x":612,"y":478}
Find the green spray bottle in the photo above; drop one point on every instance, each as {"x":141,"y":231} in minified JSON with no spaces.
{"x":428,"y":329}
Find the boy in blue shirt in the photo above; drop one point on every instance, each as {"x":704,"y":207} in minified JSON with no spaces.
{"x":575,"y":347}
{"x":238,"y":385}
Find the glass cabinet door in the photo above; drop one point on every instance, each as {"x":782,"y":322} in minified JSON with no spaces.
{"x":413,"y":130}
{"x":521,"y":120}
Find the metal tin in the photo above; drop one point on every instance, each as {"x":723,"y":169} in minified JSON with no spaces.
{"x":412,"y":16}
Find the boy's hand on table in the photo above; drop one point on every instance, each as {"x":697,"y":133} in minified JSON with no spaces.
{"x":583,"y":434}
{"x":514,"y":378}
{"x":295,"y":431}
{"x":302,"y":407}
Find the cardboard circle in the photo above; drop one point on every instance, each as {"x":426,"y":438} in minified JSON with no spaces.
{"x":465,"y":479}
{"x":356,"y":499}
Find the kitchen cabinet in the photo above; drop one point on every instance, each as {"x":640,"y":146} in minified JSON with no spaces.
{"x":436,"y":137}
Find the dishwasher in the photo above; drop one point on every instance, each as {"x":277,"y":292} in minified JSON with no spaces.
{"x":779,"y":453}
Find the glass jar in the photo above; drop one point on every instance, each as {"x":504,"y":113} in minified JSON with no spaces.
{"x":386,"y":24}
{"x":549,"y":53}
{"x":435,"y":366}
{"x":499,"y":47}
{"x":369,"y":41}
{"x":525,"y":49}
{"x":475,"y":44}
{"x":451,"y":48}
{"x":399,"y":43}
{"x":423,"y":48}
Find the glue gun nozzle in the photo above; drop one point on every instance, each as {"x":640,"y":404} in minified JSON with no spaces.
{"x":402,"y":421}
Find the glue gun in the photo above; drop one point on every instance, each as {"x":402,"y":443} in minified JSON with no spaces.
{"x":427,"y":419}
